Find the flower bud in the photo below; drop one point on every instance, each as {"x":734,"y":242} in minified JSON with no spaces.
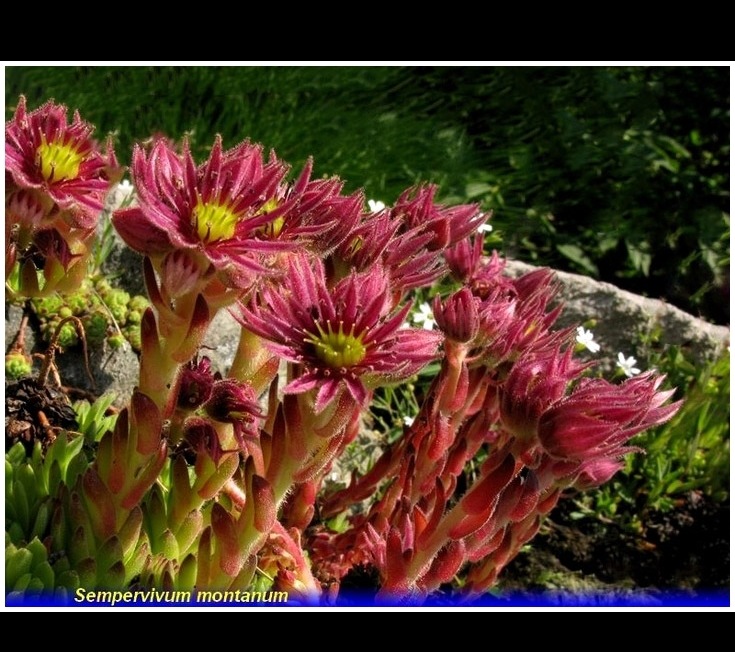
{"x":599,"y":418}
{"x":463,"y":258}
{"x":195,"y":384}
{"x":200,"y":434}
{"x":181,"y":272}
{"x":457,"y":317}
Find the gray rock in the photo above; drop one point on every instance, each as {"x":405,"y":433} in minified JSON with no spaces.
{"x":624,"y":318}
{"x":124,"y":267}
{"x":114,"y":370}
{"x":220,"y":342}
{"x":13,"y":316}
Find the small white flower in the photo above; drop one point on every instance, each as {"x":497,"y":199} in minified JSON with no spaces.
{"x":485,"y":228}
{"x":587,"y":340}
{"x":408,"y":421}
{"x":424,"y":316}
{"x":375,"y":206}
{"x":628,"y":365}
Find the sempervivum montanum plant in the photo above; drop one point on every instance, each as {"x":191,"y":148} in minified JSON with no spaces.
{"x":222,"y":483}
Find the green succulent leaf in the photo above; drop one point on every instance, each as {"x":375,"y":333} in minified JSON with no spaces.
{"x":17,"y":565}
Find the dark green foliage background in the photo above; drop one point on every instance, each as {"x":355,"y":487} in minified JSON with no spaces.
{"x":620,"y":173}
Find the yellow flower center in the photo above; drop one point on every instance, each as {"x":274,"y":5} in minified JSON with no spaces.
{"x":58,"y":161}
{"x":214,"y":221}
{"x":338,"y":349}
{"x":354,"y":246}
{"x":271,"y":229}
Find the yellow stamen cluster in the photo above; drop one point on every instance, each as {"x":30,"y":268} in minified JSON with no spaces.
{"x":58,"y":161}
{"x":214,"y":221}
{"x":338,"y":349}
{"x":354,"y":246}
{"x":272,"y":229}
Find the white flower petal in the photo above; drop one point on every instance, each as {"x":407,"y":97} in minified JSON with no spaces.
{"x":628,"y":365}
{"x":587,"y":339}
{"x":424,"y":316}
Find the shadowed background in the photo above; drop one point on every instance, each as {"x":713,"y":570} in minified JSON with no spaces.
{"x":621,"y":173}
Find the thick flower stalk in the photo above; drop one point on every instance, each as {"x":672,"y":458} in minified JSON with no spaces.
{"x":56,"y":181}
{"x":341,"y":343}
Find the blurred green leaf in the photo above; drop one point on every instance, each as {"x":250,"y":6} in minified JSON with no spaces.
{"x":578,"y":257}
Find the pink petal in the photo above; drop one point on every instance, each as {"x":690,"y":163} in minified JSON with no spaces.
{"x":139,"y":233}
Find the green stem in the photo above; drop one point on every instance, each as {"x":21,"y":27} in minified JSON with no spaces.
{"x":317,"y":432}
{"x":159,"y":369}
{"x":253,"y":362}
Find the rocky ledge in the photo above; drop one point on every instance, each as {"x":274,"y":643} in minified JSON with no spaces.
{"x":622,"y":320}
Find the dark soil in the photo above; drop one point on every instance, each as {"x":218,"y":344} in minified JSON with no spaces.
{"x":685,"y":550}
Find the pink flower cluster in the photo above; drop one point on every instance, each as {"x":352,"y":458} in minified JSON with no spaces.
{"x":322,"y":287}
